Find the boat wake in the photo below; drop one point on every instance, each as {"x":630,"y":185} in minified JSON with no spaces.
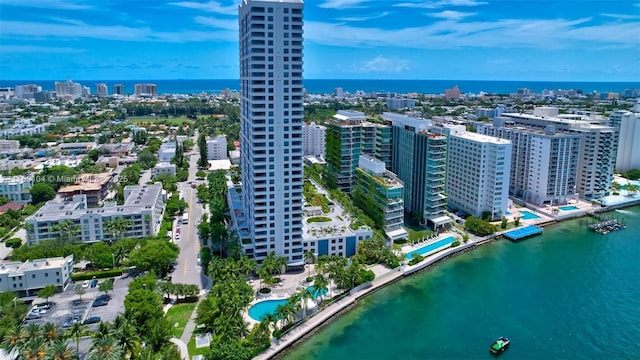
{"x":626,"y":212}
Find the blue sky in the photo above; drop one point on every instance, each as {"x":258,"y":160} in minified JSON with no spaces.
{"x":570,"y":40}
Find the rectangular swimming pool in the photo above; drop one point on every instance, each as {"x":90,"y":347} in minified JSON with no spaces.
{"x":568,"y":208}
{"x":526,"y":215}
{"x":426,"y":249}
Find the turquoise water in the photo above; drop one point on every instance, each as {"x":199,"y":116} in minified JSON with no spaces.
{"x":566,"y":294}
{"x":317,"y":293}
{"x":425,"y":249}
{"x":526,"y":215}
{"x":262,"y":308}
{"x":568,"y":208}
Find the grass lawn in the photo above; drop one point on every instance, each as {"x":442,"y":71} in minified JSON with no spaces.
{"x":191,"y":346}
{"x":158,"y":120}
{"x":179,"y":313}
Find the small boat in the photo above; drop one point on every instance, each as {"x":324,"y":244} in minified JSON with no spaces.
{"x":500,"y":345}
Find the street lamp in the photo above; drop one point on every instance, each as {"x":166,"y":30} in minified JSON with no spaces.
{"x":113,"y":259}
{"x":15,"y":299}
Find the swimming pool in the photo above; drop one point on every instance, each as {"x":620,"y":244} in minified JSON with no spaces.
{"x":568,"y":208}
{"x":426,"y":249}
{"x":317,"y":293}
{"x":528,"y":215}
{"x":262,"y":308}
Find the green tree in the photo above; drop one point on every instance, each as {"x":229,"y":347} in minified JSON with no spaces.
{"x":47,"y":292}
{"x":154,"y":255}
{"x":67,"y":230}
{"x":93,"y":155}
{"x":41,"y":192}
{"x":202,"y":147}
{"x":106,"y":286}
{"x":147,"y":159}
{"x":115,"y":227}
{"x":309,"y":258}
{"x":320,"y":286}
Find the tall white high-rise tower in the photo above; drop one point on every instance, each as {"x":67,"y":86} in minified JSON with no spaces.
{"x":271,"y":126}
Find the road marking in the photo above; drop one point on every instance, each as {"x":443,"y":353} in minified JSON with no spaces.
{"x":185,"y":267}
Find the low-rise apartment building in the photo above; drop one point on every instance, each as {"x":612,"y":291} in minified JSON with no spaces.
{"x":143,"y":208}
{"x":94,"y":186}
{"x":16,"y":188}
{"x":27,"y":278}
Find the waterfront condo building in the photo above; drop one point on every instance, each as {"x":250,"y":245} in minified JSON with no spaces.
{"x":379,"y":193}
{"x":628,"y":156}
{"x":143,"y":208}
{"x":101,"y":90}
{"x":348,"y":136}
{"x":344,"y":135}
{"x":314,"y":139}
{"x":271,"y":113}
{"x":478,"y":168}
{"x":419,"y":160}
{"x":118,"y":89}
{"x":146,"y":90}
{"x":598,"y":147}
{"x":544,"y":163}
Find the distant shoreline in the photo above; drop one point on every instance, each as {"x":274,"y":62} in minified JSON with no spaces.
{"x":328,"y":86}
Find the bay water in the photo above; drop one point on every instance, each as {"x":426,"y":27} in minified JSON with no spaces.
{"x":566,"y":294}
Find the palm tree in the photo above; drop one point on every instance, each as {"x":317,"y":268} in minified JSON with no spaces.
{"x":309,"y":257}
{"x":14,"y":339}
{"x":281,"y":313}
{"x":51,"y":332}
{"x":320,"y":285}
{"x":115,"y":227}
{"x":59,"y":350}
{"x":76,"y":331}
{"x":127,"y":336}
{"x":68,"y":229}
{"x":106,"y":349}
{"x":305,"y":294}
{"x":147,"y":220}
{"x":34,"y":349}
{"x":119,"y":255}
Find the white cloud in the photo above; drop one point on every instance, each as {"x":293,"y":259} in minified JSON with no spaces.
{"x":211,"y":6}
{"x":451,"y":15}
{"x":365,"y":17}
{"x":441,"y":3}
{"x":48,"y":4}
{"x":5,"y":49}
{"x":382,"y":64}
{"x":109,"y":32}
{"x":622,"y":16}
{"x":505,"y":33}
{"x":337,"y":4}
{"x":226,"y":24}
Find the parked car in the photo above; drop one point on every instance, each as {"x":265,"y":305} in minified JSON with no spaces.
{"x":94,"y":283}
{"x":71,"y":320}
{"x":103,"y":297}
{"x":85,"y":284}
{"x":33,"y":315}
{"x":44,"y":305}
{"x":91,"y":320}
{"x":100,"y":302}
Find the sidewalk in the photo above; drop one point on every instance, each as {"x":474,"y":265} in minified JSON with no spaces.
{"x":182,"y":346}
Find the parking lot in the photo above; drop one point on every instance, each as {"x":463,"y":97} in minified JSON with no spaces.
{"x":68,"y":305}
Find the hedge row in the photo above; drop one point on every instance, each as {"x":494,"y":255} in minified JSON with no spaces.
{"x":98,"y":274}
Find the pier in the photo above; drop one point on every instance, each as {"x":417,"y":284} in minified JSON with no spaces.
{"x":605,"y":225}
{"x":521,"y":233}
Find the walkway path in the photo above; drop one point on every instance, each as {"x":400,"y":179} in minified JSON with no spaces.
{"x":182,"y":346}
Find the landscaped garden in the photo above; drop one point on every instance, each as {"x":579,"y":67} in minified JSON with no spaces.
{"x":318,"y":219}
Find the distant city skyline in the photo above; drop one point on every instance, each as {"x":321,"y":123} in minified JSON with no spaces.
{"x":350,"y":39}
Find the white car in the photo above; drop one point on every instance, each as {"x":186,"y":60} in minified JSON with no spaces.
{"x":85,"y":284}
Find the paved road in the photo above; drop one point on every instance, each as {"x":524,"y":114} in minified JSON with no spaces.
{"x":188,"y":270}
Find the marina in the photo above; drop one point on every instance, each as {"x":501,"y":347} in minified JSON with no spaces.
{"x":606,"y":225}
